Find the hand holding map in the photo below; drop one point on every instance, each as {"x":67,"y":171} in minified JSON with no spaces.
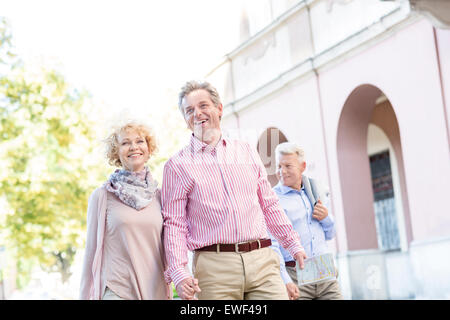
{"x":317,"y":269}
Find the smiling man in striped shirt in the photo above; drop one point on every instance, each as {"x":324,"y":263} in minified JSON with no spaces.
{"x":217,"y":202}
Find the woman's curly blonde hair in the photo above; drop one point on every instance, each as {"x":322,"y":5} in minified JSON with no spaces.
{"x":112,"y":141}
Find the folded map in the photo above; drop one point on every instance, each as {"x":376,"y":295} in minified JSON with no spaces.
{"x":317,"y":269}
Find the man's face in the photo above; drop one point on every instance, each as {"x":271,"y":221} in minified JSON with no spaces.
{"x":290,"y":170}
{"x":201,"y":115}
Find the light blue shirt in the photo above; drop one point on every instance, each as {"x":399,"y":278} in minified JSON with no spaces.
{"x":313,"y":233}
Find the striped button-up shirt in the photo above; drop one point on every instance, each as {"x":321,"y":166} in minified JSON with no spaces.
{"x":218,"y":195}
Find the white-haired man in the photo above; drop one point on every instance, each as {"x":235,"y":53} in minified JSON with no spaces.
{"x":217,"y":202}
{"x":301,"y":198}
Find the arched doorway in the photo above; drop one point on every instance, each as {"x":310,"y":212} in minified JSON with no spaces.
{"x":267,"y":142}
{"x":374,"y":194}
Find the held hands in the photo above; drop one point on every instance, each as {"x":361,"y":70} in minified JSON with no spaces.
{"x":320,"y":211}
{"x":293,"y":291}
{"x":188,"y":288}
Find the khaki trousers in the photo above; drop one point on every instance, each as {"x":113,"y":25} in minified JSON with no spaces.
{"x":327,"y":290}
{"x":253,"y":275}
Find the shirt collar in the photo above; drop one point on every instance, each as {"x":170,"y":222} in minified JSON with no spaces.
{"x":285,"y":189}
{"x":199,"y":146}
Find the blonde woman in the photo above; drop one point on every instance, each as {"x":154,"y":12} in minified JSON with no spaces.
{"x":124,"y":258}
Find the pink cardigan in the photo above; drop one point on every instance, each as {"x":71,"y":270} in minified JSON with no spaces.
{"x":92,"y":286}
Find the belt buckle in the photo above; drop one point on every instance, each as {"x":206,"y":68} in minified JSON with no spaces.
{"x":236,"y":246}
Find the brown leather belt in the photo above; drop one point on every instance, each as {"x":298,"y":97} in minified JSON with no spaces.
{"x":290,"y":264}
{"x":238,"y":247}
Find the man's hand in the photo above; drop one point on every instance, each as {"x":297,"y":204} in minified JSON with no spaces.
{"x":299,"y":257}
{"x":187,"y":288}
{"x":320,"y":211}
{"x":293,"y":291}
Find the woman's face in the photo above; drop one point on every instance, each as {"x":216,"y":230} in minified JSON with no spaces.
{"x":133,"y":150}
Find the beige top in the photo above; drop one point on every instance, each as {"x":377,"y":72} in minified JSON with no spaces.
{"x":133,"y":256}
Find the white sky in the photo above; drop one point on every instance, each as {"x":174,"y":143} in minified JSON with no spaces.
{"x":127,"y":53}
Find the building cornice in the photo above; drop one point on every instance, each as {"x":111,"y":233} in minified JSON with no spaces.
{"x":378,"y":31}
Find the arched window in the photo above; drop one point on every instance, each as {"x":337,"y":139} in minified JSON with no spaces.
{"x":267,"y":143}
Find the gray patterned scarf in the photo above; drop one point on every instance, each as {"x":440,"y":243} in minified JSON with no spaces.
{"x":135,"y":189}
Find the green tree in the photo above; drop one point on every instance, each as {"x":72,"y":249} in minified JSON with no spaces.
{"x":50,"y":160}
{"x":47,"y":172}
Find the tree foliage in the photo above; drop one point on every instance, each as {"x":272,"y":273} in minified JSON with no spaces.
{"x":46,"y":177}
{"x":7,"y":55}
{"x":50,"y":161}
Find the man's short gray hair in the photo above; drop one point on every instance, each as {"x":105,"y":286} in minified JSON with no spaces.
{"x":193,"y":85}
{"x":289,"y":148}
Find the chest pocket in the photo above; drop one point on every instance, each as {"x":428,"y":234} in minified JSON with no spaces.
{"x":294,"y":209}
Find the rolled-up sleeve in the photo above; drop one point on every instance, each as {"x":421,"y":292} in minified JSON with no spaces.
{"x":328,"y":223}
